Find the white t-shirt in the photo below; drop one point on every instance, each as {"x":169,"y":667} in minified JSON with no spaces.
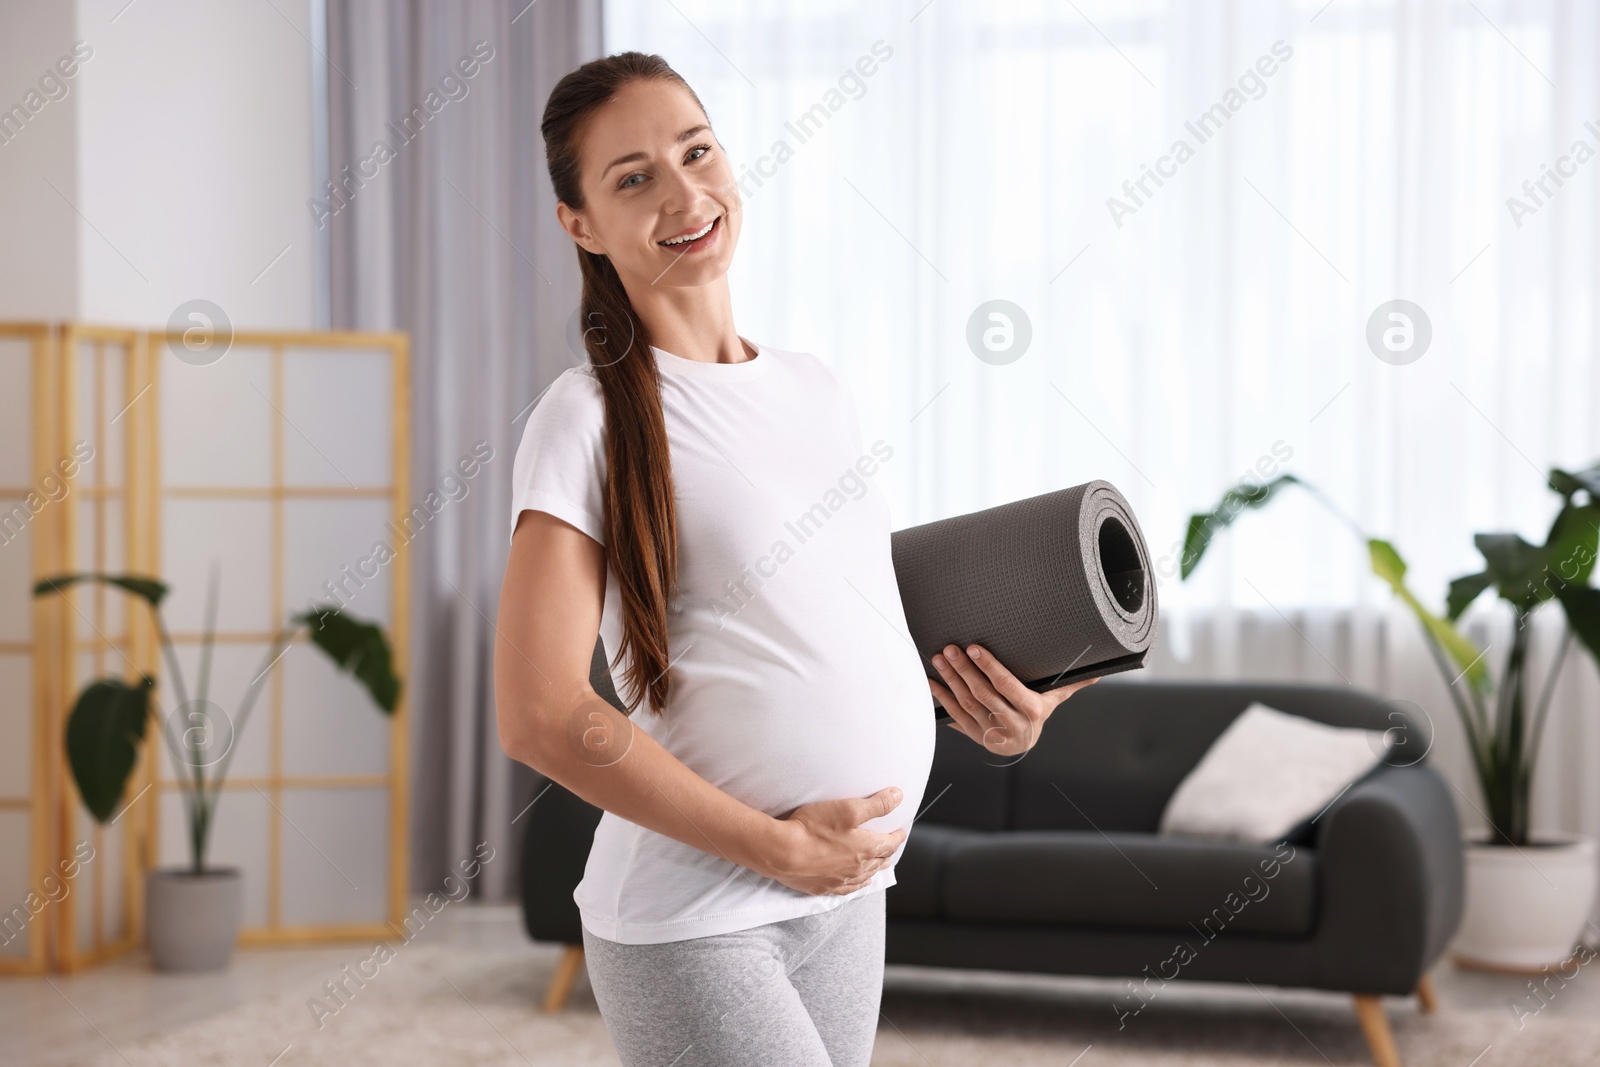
{"x":795,"y":678}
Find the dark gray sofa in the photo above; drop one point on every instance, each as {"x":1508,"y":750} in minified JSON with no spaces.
{"x":1050,"y":863}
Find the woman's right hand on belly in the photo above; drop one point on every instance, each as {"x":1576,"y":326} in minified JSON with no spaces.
{"x":821,"y":848}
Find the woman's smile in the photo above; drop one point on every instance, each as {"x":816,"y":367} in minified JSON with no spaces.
{"x":703,"y":238}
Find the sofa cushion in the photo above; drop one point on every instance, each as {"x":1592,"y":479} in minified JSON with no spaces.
{"x":919,"y":873}
{"x":1110,"y":757}
{"x":967,"y":786}
{"x":1127,"y":881}
{"x":1268,"y":774}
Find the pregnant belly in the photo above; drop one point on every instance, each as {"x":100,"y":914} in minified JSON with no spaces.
{"x":778,"y":749}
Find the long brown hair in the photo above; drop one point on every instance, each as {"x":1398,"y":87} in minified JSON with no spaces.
{"x":640,"y":521}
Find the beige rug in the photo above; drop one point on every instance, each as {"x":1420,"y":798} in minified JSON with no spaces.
{"x":446,"y":1004}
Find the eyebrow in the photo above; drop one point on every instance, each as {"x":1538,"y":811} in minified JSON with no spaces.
{"x":633,"y":157}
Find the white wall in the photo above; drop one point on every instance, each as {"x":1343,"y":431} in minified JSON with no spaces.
{"x":185,"y":144}
{"x":38,"y":230}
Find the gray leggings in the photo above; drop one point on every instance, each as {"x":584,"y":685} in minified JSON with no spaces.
{"x":803,"y":992}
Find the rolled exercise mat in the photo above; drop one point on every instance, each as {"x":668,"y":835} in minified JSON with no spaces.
{"x":1056,"y":586}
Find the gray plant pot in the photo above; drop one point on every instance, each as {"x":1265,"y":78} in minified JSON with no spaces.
{"x":192,"y":921}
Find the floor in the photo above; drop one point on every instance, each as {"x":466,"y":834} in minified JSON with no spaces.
{"x":60,"y":1020}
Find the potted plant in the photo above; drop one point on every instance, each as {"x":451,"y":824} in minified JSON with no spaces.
{"x":192,"y":913}
{"x":1528,"y":897}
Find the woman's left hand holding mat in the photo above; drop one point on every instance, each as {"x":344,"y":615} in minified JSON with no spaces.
{"x":990,"y":704}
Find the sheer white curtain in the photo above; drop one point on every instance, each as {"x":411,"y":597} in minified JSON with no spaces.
{"x":905,"y":163}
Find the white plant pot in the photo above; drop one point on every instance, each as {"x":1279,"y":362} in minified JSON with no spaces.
{"x":1526,"y":908}
{"x":192,"y":921}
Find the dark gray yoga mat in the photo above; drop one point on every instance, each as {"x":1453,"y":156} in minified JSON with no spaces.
{"x":1057,"y":586}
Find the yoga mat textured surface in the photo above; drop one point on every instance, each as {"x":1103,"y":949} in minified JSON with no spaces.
{"x":1056,"y":586}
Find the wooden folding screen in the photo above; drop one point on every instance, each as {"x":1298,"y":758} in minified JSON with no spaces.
{"x":282,"y":464}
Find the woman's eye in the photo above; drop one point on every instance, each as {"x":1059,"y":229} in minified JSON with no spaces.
{"x":703,"y":150}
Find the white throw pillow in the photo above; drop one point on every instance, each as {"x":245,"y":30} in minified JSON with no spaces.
{"x":1267,"y":773}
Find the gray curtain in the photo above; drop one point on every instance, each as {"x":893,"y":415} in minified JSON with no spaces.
{"x":444,"y":226}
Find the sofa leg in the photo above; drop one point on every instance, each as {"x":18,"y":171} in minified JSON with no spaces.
{"x":1425,"y":998}
{"x":566,"y":974}
{"x":1375,"y":1025}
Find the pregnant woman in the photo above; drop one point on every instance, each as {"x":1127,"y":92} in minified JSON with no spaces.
{"x":706,"y":506}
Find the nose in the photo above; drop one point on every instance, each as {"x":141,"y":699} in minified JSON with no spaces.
{"x":681,"y":193}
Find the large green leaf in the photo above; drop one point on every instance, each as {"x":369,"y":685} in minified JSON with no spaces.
{"x":1570,"y":547}
{"x":1569,"y":482}
{"x":1387,"y":564}
{"x":1206,"y":525}
{"x":1582,"y":604}
{"x":149,"y":588}
{"x":103,"y":736}
{"x":1463,"y":591}
{"x":356,"y":646}
{"x":1515,"y":567}
{"x":1527,"y":575}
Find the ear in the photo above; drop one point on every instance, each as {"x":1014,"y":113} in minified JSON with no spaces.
{"x":577,"y":227}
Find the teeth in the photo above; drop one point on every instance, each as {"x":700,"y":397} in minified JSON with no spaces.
{"x":692,"y":236}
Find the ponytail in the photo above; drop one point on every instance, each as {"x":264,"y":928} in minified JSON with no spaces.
{"x":640,"y":520}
